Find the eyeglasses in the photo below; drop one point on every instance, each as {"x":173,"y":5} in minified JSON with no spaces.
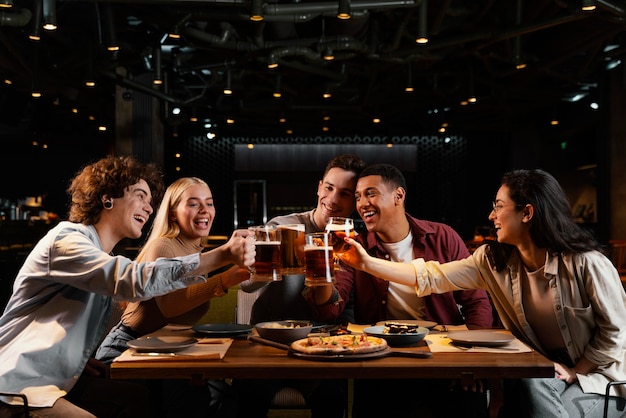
{"x":497,"y":207}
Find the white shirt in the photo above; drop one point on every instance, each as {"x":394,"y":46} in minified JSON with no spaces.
{"x":402,"y":302}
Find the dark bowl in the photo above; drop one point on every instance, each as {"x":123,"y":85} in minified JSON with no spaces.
{"x":284,"y":332}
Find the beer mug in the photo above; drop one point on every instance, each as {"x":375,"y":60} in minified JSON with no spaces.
{"x":292,"y":248}
{"x":319,"y":265}
{"x":267,"y":264}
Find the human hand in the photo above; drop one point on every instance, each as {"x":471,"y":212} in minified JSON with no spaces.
{"x":96,"y":368}
{"x":242,"y":247}
{"x":356,"y":256}
{"x":565,"y":373}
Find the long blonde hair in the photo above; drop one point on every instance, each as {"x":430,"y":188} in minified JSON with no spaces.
{"x":163,"y":225}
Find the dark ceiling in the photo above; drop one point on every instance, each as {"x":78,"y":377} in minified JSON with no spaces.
{"x":473,"y":49}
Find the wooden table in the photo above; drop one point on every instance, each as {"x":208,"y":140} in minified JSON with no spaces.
{"x":250,"y":360}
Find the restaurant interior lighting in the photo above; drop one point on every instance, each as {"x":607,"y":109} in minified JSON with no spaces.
{"x":343,"y":10}
{"x":588,"y":5}
{"x":328,"y":54}
{"x":89,"y":78}
{"x":49,"y":15}
{"x":256,"y":10}
{"x":471,"y":98}
{"x":174,"y":33}
{"x":35,"y":31}
{"x":277,"y":88}
{"x":158,"y":70}
{"x":422,"y":35}
{"x":108,"y":27}
{"x":409,"y":79}
{"x":227,"y":87}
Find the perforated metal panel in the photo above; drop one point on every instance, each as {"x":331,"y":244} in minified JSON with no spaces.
{"x":435,"y":187}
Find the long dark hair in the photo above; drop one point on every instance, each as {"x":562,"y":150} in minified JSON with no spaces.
{"x":552,"y":226}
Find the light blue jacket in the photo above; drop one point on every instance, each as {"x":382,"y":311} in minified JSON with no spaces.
{"x":60,"y":307}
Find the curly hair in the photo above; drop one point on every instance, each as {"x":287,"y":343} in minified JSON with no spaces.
{"x":109,"y":176}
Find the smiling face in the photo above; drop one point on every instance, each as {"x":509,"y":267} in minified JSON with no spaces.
{"x":335,"y":195}
{"x":507,"y":218}
{"x":134,"y":209}
{"x":381,"y":206}
{"x":195,"y":212}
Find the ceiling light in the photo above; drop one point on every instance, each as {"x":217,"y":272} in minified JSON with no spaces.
{"x":409,"y":79}
{"x":49,"y":15}
{"x":277,"y":88}
{"x":158,"y":72}
{"x":108,"y":23}
{"x":422,"y":35}
{"x":35,"y":33}
{"x":328,"y":54}
{"x":227,"y":88}
{"x":6,"y":4}
{"x":256,"y":11}
{"x":588,"y":5}
{"x":343,"y":10}
{"x":174,"y":33}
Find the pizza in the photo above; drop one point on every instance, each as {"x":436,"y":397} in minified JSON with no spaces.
{"x":340,"y":344}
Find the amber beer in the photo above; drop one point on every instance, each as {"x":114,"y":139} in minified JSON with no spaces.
{"x":340,"y":228}
{"x":267,"y":262}
{"x":292,"y":248}
{"x":319,"y":260}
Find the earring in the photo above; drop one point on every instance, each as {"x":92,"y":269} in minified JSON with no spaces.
{"x":108,"y":204}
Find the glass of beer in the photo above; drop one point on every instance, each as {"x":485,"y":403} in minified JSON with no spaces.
{"x":266,"y":267}
{"x":340,"y":228}
{"x":292,"y":248}
{"x":318,"y":259}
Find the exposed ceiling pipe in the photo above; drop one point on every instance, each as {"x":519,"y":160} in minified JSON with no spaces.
{"x":17,"y":19}
{"x":295,"y":8}
{"x":612,"y":7}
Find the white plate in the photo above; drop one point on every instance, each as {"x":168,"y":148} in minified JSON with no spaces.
{"x":485,"y":338}
{"x":397,"y":340}
{"x":419,"y":323}
{"x":165,"y":344}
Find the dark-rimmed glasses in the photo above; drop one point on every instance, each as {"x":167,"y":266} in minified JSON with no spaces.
{"x":497,"y":207}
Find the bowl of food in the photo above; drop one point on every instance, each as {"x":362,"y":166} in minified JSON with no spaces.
{"x":285,"y":332}
{"x":398,"y":334}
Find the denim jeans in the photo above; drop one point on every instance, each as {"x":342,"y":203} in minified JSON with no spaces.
{"x":551,"y":397}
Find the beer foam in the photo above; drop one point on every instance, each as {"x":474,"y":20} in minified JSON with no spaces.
{"x":338,"y":227}
{"x":293,"y":227}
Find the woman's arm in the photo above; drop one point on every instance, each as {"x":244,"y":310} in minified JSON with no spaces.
{"x":357,"y":257}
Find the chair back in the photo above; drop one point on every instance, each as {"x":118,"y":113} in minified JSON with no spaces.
{"x":243,"y":310}
{"x":618,"y":255}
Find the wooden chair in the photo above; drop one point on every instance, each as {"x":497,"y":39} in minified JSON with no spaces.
{"x":618,"y":257}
